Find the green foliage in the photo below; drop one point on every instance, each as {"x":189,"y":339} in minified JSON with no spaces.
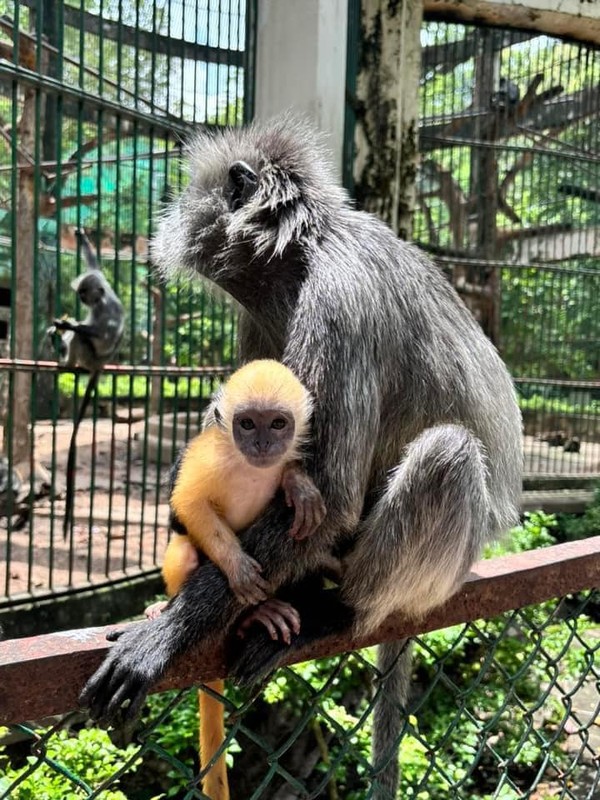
{"x":533,"y":533}
{"x":72,"y":765}
{"x":137,"y":388}
{"x":581,"y":526}
{"x":549,"y":325}
{"x":176,"y":733}
{"x":554,"y":405}
{"x":541,"y":311}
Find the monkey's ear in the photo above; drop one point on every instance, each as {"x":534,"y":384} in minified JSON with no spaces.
{"x":241,"y":185}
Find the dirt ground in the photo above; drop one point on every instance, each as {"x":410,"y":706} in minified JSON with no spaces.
{"x":123,"y":532}
{"x":541,"y":459}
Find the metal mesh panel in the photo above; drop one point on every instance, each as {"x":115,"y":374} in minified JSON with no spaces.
{"x":96,"y":99}
{"x":505,"y":708}
{"x":508,"y":205}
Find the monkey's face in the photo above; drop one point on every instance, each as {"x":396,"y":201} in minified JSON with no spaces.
{"x":254,"y":193}
{"x":241,"y":185}
{"x":263,"y":436}
{"x":90,"y":287}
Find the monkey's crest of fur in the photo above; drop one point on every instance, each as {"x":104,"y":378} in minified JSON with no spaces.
{"x":266,"y":384}
{"x":294,"y":201}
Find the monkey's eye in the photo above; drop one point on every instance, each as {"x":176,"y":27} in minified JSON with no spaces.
{"x":247,"y":424}
{"x":278,"y":423}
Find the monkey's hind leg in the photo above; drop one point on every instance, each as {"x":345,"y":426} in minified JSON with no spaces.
{"x":418,"y":543}
{"x":212,"y":734}
{"x":413,"y":552}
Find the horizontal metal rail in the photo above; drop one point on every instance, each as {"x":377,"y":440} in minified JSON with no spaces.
{"x":573,"y":384}
{"x":151,"y":40}
{"x":48,"y":84}
{"x":166,"y":371}
{"x":43,"y":675}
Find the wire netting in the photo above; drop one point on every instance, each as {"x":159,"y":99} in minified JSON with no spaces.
{"x":508,"y":204}
{"x":96,"y":100}
{"x":505,"y":708}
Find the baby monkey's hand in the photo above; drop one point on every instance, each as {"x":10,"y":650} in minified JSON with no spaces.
{"x":246,"y":581}
{"x":303,"y":495}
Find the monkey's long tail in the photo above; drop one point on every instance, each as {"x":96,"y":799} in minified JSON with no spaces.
{"x":89,"y":390}
{"x":90,"y":257}
{"x":212,"y":733}
{"x":394,"y":661}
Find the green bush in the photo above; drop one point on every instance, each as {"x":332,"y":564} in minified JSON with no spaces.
{"x":582,"y":526}
{"x":477,"y":688}
{"x":72,"y":765}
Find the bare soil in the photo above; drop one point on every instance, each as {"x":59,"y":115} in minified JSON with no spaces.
{"x":120,"y":513}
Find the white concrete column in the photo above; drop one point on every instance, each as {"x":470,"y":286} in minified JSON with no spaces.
{"x":301,"y":63}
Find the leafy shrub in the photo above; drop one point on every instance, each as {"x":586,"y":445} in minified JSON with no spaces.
{"x":71,"y":766}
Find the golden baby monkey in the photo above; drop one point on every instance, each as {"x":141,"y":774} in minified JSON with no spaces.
{"x":222,"y":482}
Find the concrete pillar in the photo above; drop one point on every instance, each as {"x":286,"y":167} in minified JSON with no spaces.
{"x":301,"y":63}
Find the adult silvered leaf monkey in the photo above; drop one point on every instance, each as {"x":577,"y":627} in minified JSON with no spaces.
{"x":89,"y":343}
{"x":415,"y":431}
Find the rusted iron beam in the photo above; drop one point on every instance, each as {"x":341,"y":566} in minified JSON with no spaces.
{"x":43,"y":675}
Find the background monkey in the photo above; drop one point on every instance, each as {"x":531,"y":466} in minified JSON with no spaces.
{"x":416,"y":432}
{"x":89,"y":344}
{"x":223,"y":481}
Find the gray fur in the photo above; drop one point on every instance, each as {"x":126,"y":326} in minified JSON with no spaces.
{"x":416,"y":429}
{"x":92,"y":342}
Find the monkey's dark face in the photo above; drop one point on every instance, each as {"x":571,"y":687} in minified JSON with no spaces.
{"x":254,"y":194}
{"x":242,"y":184}
{"x":91,"y":295}
{"x":263,"y":436}
{"x":90,"y":288}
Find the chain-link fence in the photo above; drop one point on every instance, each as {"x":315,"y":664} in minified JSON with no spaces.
{"x":500,"y":708}
{"x":96,"y":99}
{"x":508,"y":205}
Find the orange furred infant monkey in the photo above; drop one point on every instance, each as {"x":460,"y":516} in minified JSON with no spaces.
{"x":222,"y":482}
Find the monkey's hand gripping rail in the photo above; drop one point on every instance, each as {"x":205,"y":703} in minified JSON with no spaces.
{"x":43,"y":675}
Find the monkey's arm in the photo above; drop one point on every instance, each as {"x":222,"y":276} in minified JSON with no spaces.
{"x":81,"y":328}
{"x":204,"y":609}
{"x":210,"y":534}
{"x":181,"y":559}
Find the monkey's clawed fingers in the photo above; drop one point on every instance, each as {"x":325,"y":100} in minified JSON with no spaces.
{"x":132,"y":665}
{"x":303,"y":495}
{"x":309,"y":512}
{"x":247,"y":583}
{"x":279,"y":618}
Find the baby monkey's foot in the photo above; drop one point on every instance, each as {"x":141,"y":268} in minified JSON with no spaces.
{"x":279,"y":618}
{"x":156,"y":609}
{"x":152,"y":612}
{"x":303,"y":495}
